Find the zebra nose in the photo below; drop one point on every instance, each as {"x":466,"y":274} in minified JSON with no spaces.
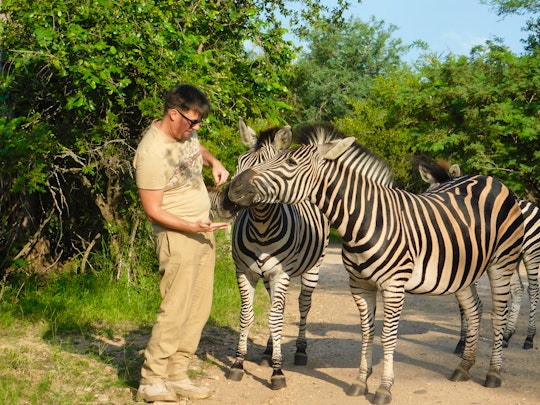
{"x":242,"y":190}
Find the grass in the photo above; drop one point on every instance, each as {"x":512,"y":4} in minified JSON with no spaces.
{"x":79,"y":338}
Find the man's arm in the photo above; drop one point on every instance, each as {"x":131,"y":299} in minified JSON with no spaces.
{"x":151,"y":202}
{"x":219,"y":172}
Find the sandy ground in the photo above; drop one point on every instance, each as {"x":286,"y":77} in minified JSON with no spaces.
{"x":424,"y":358}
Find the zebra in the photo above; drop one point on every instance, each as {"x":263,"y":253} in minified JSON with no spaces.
{"x":274,"y":242}
{"x":435,"y":173}
{"x":395,"y":241}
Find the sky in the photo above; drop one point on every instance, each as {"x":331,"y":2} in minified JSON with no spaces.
{"x":446,"y":25}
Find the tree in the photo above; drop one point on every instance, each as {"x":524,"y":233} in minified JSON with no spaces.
{"x":339,"y":65}
{"x":481,"y":112}
{"x":79,"y":82}
{"x":384,"y":120}
{"x":521,"y":7}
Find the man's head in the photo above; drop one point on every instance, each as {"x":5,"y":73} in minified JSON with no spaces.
{"x":185,"y":108}
{"x":185,"y":97}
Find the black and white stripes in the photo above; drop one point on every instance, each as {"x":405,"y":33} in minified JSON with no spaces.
{"x":275,"y":242}
{"x":397,"y":242}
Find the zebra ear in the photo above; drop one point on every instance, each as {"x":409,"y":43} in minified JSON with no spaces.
{"x":283,"y":138}
{"x":248,"y":135}
{"x":455,"y":170}
{"x":426,"y":175}
{"x":332,"y":150}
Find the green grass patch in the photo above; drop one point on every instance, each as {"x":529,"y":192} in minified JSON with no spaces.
{"x":79,"y":338}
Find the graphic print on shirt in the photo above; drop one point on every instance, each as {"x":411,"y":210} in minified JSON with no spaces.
{"x":187,"y":171}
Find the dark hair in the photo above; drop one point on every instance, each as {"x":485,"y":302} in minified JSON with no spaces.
{"x":185,"y":97}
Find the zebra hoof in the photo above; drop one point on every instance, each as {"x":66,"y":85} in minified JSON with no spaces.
{"x":266,"y":361}
{"x":300,"y":359}
{"x":278,"y":380}
{"x":492,"y":380}
{"x":382,"y":396}
{"x":460,"y":374}
{"x":528,"y":344}
{"x":235,"y":374}
{"x":357,"y":389}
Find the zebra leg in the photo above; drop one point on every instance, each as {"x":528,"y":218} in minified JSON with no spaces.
{"x":246,"y":285}
{"x":464,"y":326}
{"x":470,"y":303}
{"x":516,"y":295}
{"x":266,"y":358}
{"x":463,"y":334}
{"x":308,"y":283}
{"x":532,"y":265}
{"x":393,"y":306}
{"x":366,"y":301}
{"x":499,"y":279}
{"x":279,"y":283}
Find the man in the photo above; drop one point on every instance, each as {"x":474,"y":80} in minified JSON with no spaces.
{"x":168,"y":166}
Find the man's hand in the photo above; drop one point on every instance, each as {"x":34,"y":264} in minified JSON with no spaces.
{"x":219,"y":173}
{"x":209,"y":226}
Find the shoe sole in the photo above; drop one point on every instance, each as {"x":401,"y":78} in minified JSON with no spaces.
{"x":193,"y":395}
{"x":155,"y":398}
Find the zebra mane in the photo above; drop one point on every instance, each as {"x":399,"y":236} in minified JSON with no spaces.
{"x":266,"y":135}
{"x":315,"y":134}
{"x":375,"y":167}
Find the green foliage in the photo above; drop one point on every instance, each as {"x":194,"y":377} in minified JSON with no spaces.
{"x":383,"y":122}
{"x":80,"y":81}
{"x":74,"y":303}
{"x":481,"y":112}
{"x":339,"y":67}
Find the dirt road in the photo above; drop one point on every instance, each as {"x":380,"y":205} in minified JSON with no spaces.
{"x":429,"y":329}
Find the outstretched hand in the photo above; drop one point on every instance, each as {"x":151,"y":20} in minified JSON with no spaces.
{"x":209,"y":226}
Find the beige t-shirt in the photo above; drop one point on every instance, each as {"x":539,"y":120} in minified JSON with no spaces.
{"x":162,"y":163}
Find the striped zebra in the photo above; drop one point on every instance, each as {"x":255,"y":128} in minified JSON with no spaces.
{"x":274,"y":242}
{"x":395,"y":241}
{"x":435,"y":173}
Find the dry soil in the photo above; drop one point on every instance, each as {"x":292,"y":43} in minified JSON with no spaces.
{"x":424,"y":358}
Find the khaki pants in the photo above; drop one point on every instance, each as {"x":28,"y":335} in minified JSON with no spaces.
{"x":186,"y":264}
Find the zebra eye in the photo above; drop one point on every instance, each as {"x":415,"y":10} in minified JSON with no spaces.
{"x":291,"y":161}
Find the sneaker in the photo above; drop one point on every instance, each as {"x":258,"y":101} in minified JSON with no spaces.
{"x":186,"y":388}
{"x":155,"y":392}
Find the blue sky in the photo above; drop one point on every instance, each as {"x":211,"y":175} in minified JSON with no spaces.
{"x":446,"y":25}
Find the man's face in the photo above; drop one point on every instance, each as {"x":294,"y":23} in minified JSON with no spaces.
{"x":184,"y":122}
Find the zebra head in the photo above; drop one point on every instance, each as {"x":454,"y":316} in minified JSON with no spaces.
{"x":435,"y":173}
{"x":260,"y":148}
{"x":221,"y":207}
{"x":288,"y":177}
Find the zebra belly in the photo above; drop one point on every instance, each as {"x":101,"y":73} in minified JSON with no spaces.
{"x":434,"y":282}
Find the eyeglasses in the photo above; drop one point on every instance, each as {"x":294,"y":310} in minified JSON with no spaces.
{"x":192,"y":123}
